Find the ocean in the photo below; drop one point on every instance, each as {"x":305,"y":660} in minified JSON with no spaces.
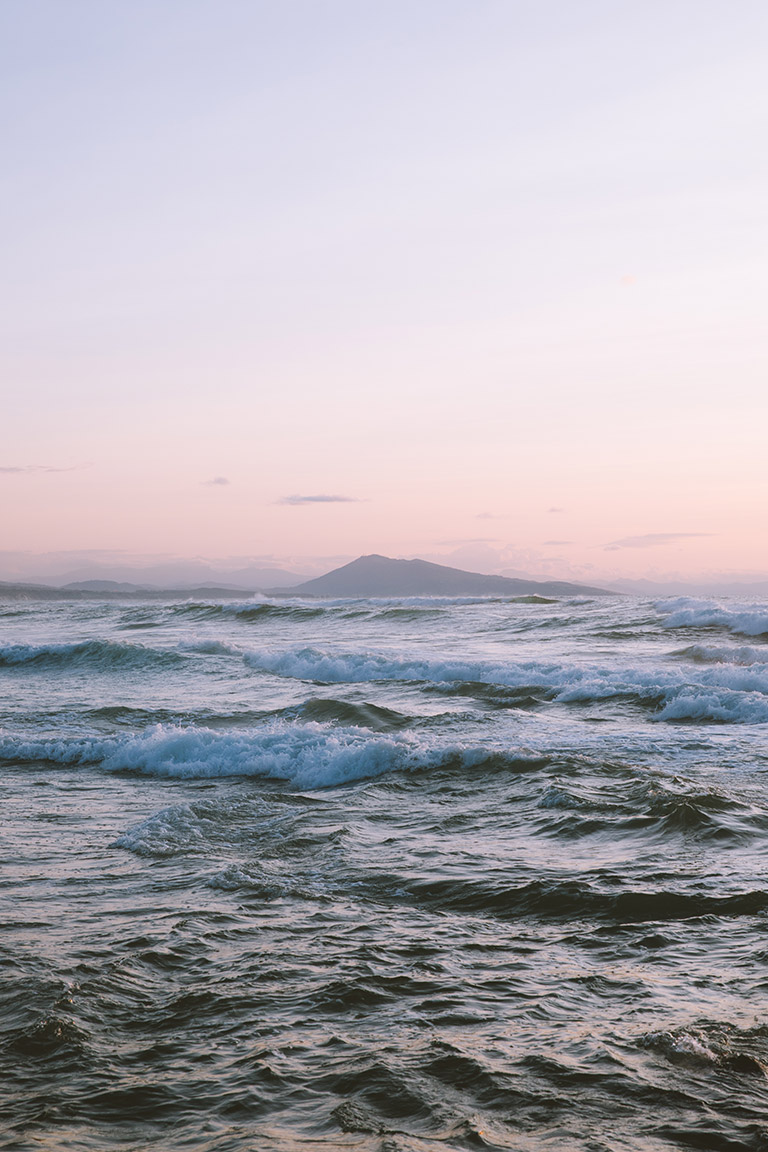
{"x":384,"y":875}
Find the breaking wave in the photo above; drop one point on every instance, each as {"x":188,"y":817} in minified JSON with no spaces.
{"x":310,"y":755}
{"x":746,"y":620}
{"x":101,"y":654}
{"x":720,"y":692}
{"x":250,"y":613}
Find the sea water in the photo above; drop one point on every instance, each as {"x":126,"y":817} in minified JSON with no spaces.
{"x":392,"y":876}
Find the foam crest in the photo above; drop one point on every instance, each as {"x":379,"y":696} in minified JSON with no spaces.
{"x":308,"y":755}
{"x":721,"y":1045}
{"x":707,"y":654}
{"x":178,"y":828}
{"x":722,"y":691}
{"x":684,"y":612}
{"x":310,"y":663}
{"x":210,"y":648}
{"x":717,"y":707}
{"x":203,"y":825}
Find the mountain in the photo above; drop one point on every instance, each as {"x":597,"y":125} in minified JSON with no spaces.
{"x":18,"y":591}
{"x":380,"y":576}
{"x":109,"y":590}
{"x":366,"y":576}
{"x":174,"y":574}
{"x":104,"y":586}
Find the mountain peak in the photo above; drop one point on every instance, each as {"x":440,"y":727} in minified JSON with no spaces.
{"x":376,"y":575}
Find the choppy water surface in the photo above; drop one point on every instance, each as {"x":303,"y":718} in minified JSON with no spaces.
{"x":393,"y":876}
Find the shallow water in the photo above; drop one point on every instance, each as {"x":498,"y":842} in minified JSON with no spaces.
{"x":396,"y":876}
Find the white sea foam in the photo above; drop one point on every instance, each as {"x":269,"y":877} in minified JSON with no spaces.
{"x":683,"y":1043}
{"x":309,"y":755}
{"x":729,"y":691}
{"x":208,"y":824}
{"x":175,"y":829}
{"x":709,"y":654}
{"x":331,"y":667}
{"x":210,"y":648}
{"x":684,"y":612}
{"x":718,"y":707}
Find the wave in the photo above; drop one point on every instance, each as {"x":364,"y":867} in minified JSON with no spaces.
{"x":572,"y":809}
{"x":722,"y":707}
{"x":210,"y":648}
{"x":207,"y":825}
{"x":109,"y":716}
{"x":721,"y":693}
{"x":715,"y":1045}
{"x":704,"y":654}
{"x":371,"y":716}
{"x":533,"y":599}
{"x":576,"y":900}
{"x":101,"y":654}
{"x":684,"y":612}
{"x":407,"y":614}
{"x":406,"y":609}
{"x":250,"y":612}
{"x":308,"y":754}
{"x":337,"y":667}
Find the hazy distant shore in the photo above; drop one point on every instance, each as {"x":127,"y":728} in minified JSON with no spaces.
{"x":367,"y":576}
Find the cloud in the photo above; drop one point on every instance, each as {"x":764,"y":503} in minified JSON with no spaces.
{"x":218,"y":481}
{"x":555,"y":509}
{"x":654,"y":539}
{"x":468,"y":540}
{"x":27,"y":468}
{"x":318,"y":500}
{"x":558,"y":543}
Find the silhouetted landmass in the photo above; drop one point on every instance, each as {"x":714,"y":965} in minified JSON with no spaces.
{"x":381,"y":576}
{"x":171,"y":574}
{"x":366,"y":576}
{"x":10,"y":591}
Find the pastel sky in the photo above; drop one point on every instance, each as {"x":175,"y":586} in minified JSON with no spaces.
{"x":479,"y":279}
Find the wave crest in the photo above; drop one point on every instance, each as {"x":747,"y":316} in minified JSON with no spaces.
{"x":102,"y":654}
{"x":684,"y":612}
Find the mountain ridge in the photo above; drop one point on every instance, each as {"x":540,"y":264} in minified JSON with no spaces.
{"x":371,"y":575}
{"x":375,"y":575}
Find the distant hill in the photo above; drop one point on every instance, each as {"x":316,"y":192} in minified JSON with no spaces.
{"x":366,"y":576}
{"x":104,"y":586}
{"x":174,"y":574}
{"x":381,"y":576}
{"x":86,"y":591}
{"x":17,"y":591}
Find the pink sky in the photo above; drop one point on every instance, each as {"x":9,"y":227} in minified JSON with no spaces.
{"x":490,"y":275}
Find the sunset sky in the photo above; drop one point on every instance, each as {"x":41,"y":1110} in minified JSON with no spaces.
{"x":303,"y":279}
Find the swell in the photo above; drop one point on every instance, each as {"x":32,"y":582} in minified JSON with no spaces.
{"x":744,"y":656}
{"x":250,"y":613}
{"x":347,"y":713}
{"x":716,"y":1045}
{"x":742,"y":619}
{"x":100,"y":654}
{"x":651,"y":808}
{"x":253,"y":613}
{"x":718,"y":693}
{"x":306,"y":754}
{"x":309,"y":755}
{"x":578,"y":899}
